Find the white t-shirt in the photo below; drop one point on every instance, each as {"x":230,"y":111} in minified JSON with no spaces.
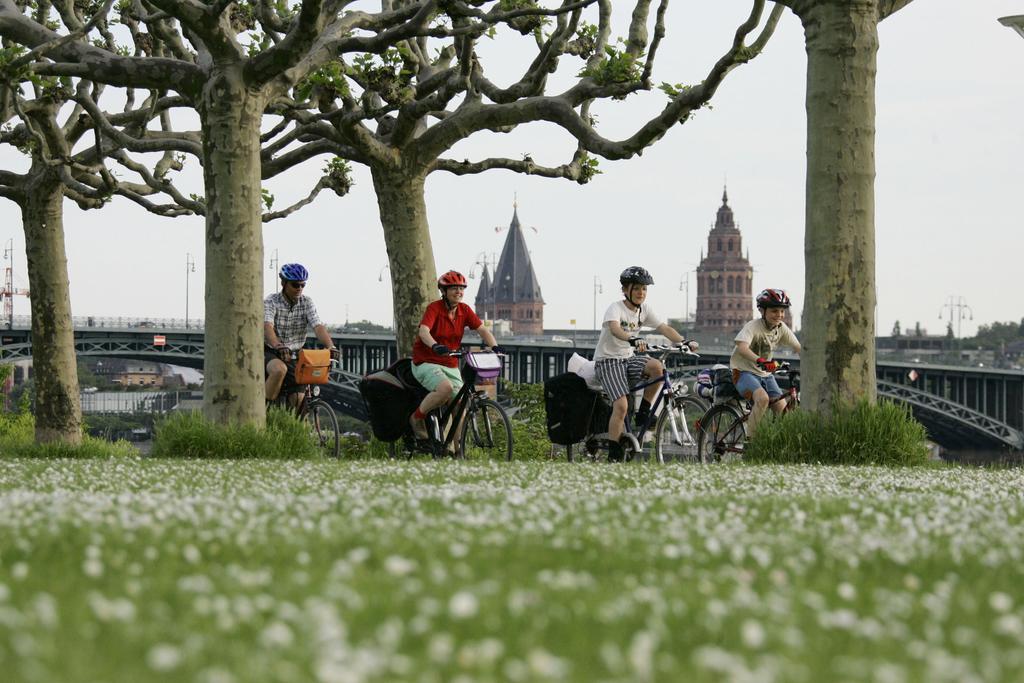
{"x":763,"y":342}
{"x":610,"y":346}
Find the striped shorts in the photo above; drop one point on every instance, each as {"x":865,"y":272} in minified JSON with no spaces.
{"x":617,"y":375}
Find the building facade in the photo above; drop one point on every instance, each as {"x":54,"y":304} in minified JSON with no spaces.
{"x":512,"y":292}
{"x":725,"y":297}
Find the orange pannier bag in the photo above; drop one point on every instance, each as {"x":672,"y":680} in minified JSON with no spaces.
{"x":313,"y":367}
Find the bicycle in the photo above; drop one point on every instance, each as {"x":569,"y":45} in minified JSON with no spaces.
{"x":722,"y":431}
{"x":674,"y":432}
{"x":485,"y":431}
{"x":314,"y":411}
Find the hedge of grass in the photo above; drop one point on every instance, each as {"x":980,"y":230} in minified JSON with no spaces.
{"x":190,"y":435}
{"x":861,"y":433}
{"x":17,"y":440}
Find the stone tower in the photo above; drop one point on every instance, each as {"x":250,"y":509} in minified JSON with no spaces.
{"x":513,"y":293}
{"x":725,"y":300}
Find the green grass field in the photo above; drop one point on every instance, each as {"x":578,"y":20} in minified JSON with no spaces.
{"x":244,"y":571}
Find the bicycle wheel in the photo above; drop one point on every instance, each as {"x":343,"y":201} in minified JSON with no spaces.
{"x":486,"y":432}
{"x":721,"y":435}
{"x":323,"y":427}
{"x":675,"y":435}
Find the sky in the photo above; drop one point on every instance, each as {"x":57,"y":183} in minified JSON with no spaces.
{"x":950,"y":166}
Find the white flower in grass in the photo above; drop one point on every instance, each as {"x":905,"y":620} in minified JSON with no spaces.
{"x":45,"y":608}
{"x":463,"y":605}
{"x":19,"y":571}
{"x":1000,"y":602}
{"x":641,"y":654}
{"x":1009,"y":625}
{"x":277,"y":634}
{"x":846,"y":591}
{"x":215,"y":675}
{"x":441,"y":647}
{"x":543,"y":663}
{"x":92,"y":567}
{"x":191,"y":554}
{"x":396,"y":565}
{"x":752,"y":634}
{"x":163,"y":657}
{"x":5,"y":592}
{"x":116,"y":609}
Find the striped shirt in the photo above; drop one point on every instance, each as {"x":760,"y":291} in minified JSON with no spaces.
{"x":290,"y":320}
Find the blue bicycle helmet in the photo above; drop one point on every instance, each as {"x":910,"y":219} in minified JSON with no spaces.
{"x":295,"y":272}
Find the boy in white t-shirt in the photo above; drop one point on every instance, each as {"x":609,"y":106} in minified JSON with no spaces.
{"x":751,"y":361}
{"x":617,"y":367}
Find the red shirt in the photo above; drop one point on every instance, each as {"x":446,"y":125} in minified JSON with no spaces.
{"x":445,"y":330}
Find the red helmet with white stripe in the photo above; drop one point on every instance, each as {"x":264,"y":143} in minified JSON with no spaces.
{"x":773,"y":298}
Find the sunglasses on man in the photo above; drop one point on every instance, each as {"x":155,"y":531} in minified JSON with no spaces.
{"x":297,"y":285}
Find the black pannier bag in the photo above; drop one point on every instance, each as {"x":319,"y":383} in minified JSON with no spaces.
{"x":569,"y":405}
{"x":725,"y":390}
{"x":391,"y":396}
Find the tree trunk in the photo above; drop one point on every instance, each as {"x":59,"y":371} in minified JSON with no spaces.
{"x":838,"y":328}
{"x":58,"y":408}
{"x":233,"y":364}
{"x":403,"y":213}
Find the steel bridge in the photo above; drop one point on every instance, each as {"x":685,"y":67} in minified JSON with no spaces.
{"x":962,"y":407}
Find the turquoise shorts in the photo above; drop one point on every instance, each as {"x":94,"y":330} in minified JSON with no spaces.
{"x":432,"y":374}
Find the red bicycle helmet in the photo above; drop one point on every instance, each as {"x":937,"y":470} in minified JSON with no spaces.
{"x":773,"y":298}
{"x":452,"y":278}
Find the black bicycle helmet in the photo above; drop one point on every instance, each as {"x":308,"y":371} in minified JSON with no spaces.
{"x":635,"y":275}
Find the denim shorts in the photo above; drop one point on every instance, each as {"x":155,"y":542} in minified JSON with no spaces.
{"x":748,"y":383}
{"x":432,"y":374}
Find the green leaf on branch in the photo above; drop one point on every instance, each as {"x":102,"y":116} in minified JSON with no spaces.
{"x":267,"y":197}
{"x":338,"y":172}
{"x":327,"y":81}
{"x":674,"y":90}
{"x":618,"y":66}
{"x":588,"y":169}
{"x":585,"y":42}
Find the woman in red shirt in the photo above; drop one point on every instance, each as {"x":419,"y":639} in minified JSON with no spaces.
{"x":440,"y":333}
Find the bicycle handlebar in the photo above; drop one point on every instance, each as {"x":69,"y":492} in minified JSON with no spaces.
{"x":460,"y":353}
{"x":677,"y":348}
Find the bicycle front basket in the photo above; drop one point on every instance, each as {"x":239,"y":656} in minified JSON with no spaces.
{"x":313,"y":367}
{"x":486,"y":365}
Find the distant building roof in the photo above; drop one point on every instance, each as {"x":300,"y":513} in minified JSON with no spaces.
{"x":483,"y":295}
{"x":723,"y":219}
{"x":514,"y":279}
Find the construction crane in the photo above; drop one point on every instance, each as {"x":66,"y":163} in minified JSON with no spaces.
{"x":10,"y":291}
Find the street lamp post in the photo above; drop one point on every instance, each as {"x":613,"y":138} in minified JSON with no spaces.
{"x":957,"y":306}
{"x":598,"y":289}
{"x":684,"y":287}
{"x":380,"y":278}
{"x":274,"y":262}
{"x":190,"y":267}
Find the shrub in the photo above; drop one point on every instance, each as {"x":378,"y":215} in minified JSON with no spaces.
{"x":529,"y":424}
{"x":360,"y":448}
{"x":17,"y":440}
{"x":853,"y":434}
{"x":190,"y":435}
